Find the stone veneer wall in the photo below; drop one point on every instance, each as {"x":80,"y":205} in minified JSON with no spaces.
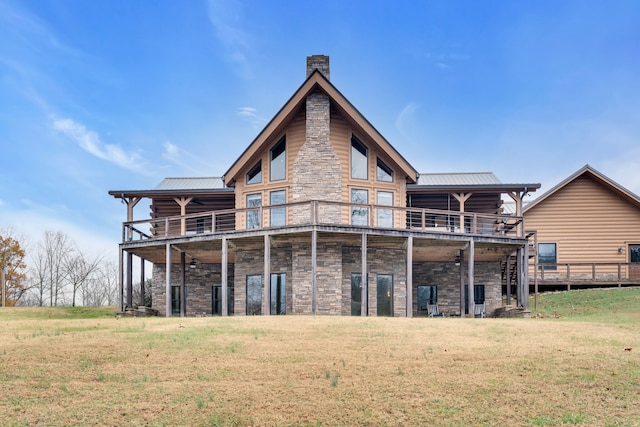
{"x":199,"y":282}
{"x":316,"y":173}
{"x":446,"y":276}
{"x":390,"y":260}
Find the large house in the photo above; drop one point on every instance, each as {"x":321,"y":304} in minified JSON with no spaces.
{"x":322,"y":215}
{"x":588,"y":232}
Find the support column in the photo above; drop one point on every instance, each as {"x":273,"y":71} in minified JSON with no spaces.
{"x":470,"y":274}
{"x":224,"y":277}
{"x":131,"y":203}
{"x":409,"y":276}
{"x":507,"y":272}
{"x":121,"y":281}
{"x":314,"y":255}
{"x":267,"y":275}
{"x":142,"y":303}
{"x":463,"y":307}
{"x":364,"y":310}
{"x":462,"y":198}
{"x":183,"y":284}
{"x":525,"y":276}
{"x":183,"y":202}
{"x":129,"y":280}
{"x":168,"y":280}
{"x":519,"y":277}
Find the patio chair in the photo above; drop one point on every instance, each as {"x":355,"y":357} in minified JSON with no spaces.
{"x":434,"y":311}
{"x":478,"y":310}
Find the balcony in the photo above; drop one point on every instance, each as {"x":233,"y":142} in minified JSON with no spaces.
{"x":324,"y":213}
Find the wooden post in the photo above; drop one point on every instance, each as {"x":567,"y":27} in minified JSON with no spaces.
{"x":121,"y":281}
{"x":168,"y":280}
{"x":365,"y":282}
{"x":410,"y":276}
{"x":267,"y":275}
{"x":183,"y":284}
{"x":314,"y":254}
{"x":471,"y":278}
{"x":142,"y":303}
{"x":462,"y":283}
{"x":525,"y":275}
{"x":223,"y":277}
{"x":519,"y":277}
{"x":129,"y":280}
{"x":508,"y":273}
{"x":183,"y":202}
{"x":461,"y":198}
{"x":131,"y":202}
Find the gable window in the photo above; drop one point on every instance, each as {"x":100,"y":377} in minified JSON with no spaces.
{"x":358,"y":159}
{"x":383,"y":172}
{"x":547,"y":255}
{"x":254,"y":176}
{"x":278,"y":165}
{"x":385,"y":216}
{"x":253,"y":215}
{"x":278,"y":216}
{"x":359,"y":214}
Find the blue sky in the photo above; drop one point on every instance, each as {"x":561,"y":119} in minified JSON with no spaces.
{"x":110,"y":95}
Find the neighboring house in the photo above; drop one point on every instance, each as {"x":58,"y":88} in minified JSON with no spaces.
{"x":321,"y":215}
{"x":588,"y":231}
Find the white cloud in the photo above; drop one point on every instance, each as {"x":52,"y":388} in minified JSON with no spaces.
{"x":187,"y":161}
{"x":226,"y":18}
{"x":90,"y":141}
{"x":405,"y":117}
{"x":249,"y":114}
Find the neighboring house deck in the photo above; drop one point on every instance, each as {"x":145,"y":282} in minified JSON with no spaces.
{"x":321,"y":215}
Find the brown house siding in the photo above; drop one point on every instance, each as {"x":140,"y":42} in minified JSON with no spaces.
{"x":588,"y":223}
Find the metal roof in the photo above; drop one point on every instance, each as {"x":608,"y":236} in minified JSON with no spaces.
{"x":185,"y":183}
{"x":463,"y":178}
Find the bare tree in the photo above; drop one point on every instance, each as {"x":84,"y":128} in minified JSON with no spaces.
{"x":56,"y":249}
{"x":102,"y":286}
{"x":79,"y":270}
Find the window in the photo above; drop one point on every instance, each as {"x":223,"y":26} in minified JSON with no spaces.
{"x":385,"y":295}
{"x":385,"y":216}
{"x":175,"y":300}
{"x":278,"y":293}
{"x":216,"y":300}
{"x":278,"y":167}
{"x":254,"y":176}
{"x":478,"y":296}
{"x":358,"y":159}
{"x":356,"y":294}
{"x":634,"y":253}
{"x":383,"y":172}
{"x":254,"y":295}
{"x":278,"y":216}
{"x":427,"y":295}
{"x":253,"y":215}
{"x":547,"y":255}
{"x":359,"y":214}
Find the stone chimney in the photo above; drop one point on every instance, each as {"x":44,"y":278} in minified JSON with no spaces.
{"x":320,"y":63}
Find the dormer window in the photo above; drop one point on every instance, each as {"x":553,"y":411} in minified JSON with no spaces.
{"x":278,"y":166}
{"x":358,"y":159}
{"x":254,"y":176}
{"x":383,"y":172}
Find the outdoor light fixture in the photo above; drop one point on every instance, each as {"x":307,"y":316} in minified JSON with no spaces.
{"x":457,"y":259}
{"x":192,"y":264}
{"x":620,"y":250}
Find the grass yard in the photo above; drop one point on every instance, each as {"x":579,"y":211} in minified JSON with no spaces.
{"x":85,"y":367}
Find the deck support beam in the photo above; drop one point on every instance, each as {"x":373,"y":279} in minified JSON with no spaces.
{"x":471,"y":278}
{"x":364,"y":310}
{"x":314,"y":262}
{"x":121,"y":281}
{"x":129,"y":280}
{"x":223,"y":277}
{"x":409,"y":277}
{"x":142,"y":279}
{"x":168,"y":280}
{"x":183,"y":284}
{"x":267,"y":275}
{"x":463,"y":307}
{"x":507,"y":272}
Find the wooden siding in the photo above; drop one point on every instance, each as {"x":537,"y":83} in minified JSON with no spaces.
{"x":588,"y":222}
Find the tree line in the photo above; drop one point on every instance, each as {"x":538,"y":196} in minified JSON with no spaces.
{"x":58,"y":272}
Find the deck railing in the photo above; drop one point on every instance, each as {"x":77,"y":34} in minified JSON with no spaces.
{"x":581,"y":273}
{"x":323,"y":213}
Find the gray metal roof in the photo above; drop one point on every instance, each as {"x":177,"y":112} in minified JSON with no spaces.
{"x":185,"y":183}
{"x":463,"y":178}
